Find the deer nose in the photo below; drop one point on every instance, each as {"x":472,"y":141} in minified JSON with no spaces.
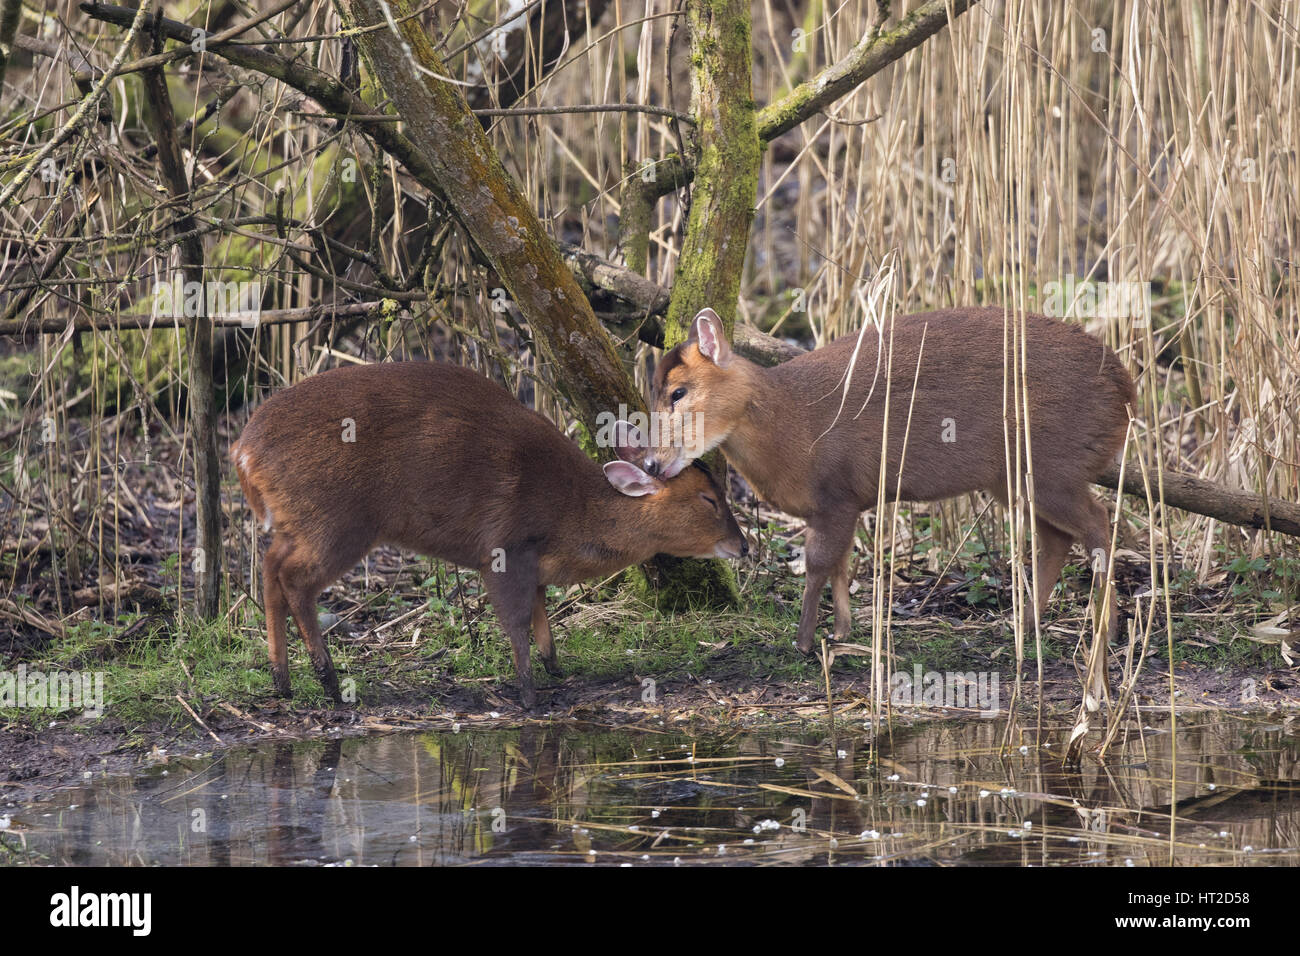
{"x":651,"y":468}
{"x":744,"y":547}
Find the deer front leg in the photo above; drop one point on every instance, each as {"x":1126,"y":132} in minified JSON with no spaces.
{"x":542,"y":635}
{"x":513,"y":591}
{"x":826,"y":544}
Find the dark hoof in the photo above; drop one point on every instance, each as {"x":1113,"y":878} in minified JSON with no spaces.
{"x":329,"y":680}
{"x":553,"y":668}
{"x":804,"y":647}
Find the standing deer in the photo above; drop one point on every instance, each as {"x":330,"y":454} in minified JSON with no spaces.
{"x":807,"y":434}
{"x":437,"y":459}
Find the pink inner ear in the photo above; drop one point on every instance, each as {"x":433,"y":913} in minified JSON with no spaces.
{"x":708,"y":337}
{"x":630,"y":480}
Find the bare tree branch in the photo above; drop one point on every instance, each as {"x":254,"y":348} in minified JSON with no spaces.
{"x":495,"y":212}
{"x":875,"y":51}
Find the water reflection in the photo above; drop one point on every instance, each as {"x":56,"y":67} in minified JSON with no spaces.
{"x":934,"y":793}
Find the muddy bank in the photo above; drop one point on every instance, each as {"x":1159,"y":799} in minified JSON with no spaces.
{"x":36,"y":758}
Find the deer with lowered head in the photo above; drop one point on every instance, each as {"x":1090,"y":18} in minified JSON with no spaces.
{"x":437,"y":459}
{"x":807,"y":434}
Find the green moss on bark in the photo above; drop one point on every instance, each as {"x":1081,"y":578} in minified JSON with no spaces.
{"x":717,"y":236}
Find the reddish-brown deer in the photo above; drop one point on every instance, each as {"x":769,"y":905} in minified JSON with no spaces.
{"x":437,"y":459}
{"x":807,"y":434}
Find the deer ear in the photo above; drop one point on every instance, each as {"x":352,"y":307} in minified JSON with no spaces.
{"x":708,"y":334}
{"x":631,"y":480}
{"x":629,"y":443}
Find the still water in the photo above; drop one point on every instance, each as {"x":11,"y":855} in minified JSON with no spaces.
{"x":942,"y":793}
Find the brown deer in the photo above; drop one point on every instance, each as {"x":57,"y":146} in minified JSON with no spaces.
{"x":807,"y":434}
{"x":436,"y":458}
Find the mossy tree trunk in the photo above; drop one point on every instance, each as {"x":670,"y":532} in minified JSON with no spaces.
{"x":712,"y":255}
{"x":726,"y":166}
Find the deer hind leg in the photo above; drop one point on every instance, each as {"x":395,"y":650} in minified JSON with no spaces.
{"x":304,"y":573}
{"x":1053,"y":550}
{"x":840,"y":596}
{"x":1084,"y":519}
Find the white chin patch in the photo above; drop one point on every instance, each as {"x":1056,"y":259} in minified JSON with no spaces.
{"x":675,"y":469}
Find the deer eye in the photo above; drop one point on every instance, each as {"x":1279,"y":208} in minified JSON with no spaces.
{"x":712,"y":503}
{"x":678,"y":394}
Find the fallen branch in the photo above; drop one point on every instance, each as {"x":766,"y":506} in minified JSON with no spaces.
{"x":1246,"y":509}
